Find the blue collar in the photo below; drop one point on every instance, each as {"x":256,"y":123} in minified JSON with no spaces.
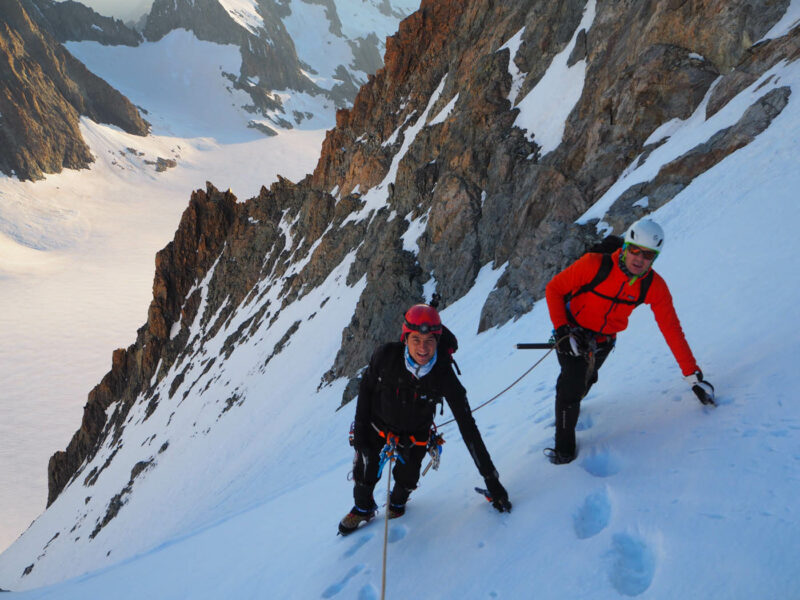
{"x":419,"y":371}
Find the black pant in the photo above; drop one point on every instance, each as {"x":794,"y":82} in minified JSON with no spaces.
{"x":405,"y":471}
{"x":578,"y":375}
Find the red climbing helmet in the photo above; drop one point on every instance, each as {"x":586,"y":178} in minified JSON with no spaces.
{"x":422,"y":318}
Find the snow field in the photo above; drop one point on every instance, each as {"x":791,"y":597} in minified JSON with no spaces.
{"x":78,"y":247}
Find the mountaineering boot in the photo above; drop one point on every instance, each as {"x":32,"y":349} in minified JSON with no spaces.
{"x":354,"y":518}
{"x":559,"y":458}
{"x":396,"y":510}
{"x":399,"y":496}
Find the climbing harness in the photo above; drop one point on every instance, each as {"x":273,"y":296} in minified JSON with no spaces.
{"x":389,"y":453}
{"x":385,"y":435}
{"x":435,"y":440}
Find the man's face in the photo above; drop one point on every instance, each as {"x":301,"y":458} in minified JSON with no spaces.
{"x":421,"y":346}
{"x":638,"y":260}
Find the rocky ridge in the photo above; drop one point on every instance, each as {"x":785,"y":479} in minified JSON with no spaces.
{"x":44,"y":91}
{"x":70,"y":20}
{"x":477,"y":185}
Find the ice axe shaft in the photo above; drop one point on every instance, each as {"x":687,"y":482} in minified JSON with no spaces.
{"x":535,"y":346}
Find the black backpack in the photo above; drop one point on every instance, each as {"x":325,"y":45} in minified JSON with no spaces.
{"x":607,"y":246}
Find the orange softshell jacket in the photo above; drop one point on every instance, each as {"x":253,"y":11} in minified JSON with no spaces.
{"x":606,"y":315}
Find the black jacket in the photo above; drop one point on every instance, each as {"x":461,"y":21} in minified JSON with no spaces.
{"x":392,"y":399}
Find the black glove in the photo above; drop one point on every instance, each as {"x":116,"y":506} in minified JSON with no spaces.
{"x":498,"y":493}
{"x":565,"y":341}
{"x":701,"y":388}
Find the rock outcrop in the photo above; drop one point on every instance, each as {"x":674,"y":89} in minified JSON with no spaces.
{"x":44,"y":91}
{"x":205,"y":225}
{"x":432,"y":140}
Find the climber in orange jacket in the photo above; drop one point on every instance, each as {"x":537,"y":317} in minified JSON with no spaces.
{"x":589,"y":303}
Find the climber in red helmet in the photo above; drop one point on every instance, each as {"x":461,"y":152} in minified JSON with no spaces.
{"x":398,"y":395}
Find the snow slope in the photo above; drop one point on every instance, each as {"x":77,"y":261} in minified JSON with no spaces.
{"x":77,"y":249}
{"x":667,"y":499}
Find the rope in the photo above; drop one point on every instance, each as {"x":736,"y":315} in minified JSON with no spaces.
{"x":496,"y":396}
{"x":388,"y":455}
{"x":391,"y":457}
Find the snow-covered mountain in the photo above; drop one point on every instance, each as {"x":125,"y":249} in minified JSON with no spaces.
{"x":300,"y":60}
{"x":212,"y":461}
{"x":76,"y":249}
{"x":289,"y":48}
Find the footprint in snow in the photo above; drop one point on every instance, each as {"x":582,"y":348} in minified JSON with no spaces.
{"x":542,"y":417}
{"x":632,"y":565}
{"x":779,"y":433}
{"x":397,"y":533}
{"x":584,"y":422}
{"x":722,"y":401}
{"x":601,"y":463}
{"x":368,"y":592}
{"x":334,"y":589}
{"x":593,"y":516}
{"x":358,"y":544}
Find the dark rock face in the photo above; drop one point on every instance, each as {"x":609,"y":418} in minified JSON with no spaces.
{"x":70,"y":20}
{"x":43,"y":92}
{"x":479,"y":185}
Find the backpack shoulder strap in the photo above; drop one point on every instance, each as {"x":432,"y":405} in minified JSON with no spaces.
{"x":390,"y":360}
{"x":448,"y":344}
{"x":645,"y":285}
{"x":603,"y":272}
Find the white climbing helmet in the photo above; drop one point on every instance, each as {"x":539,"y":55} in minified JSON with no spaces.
{"x":647,"y":234}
